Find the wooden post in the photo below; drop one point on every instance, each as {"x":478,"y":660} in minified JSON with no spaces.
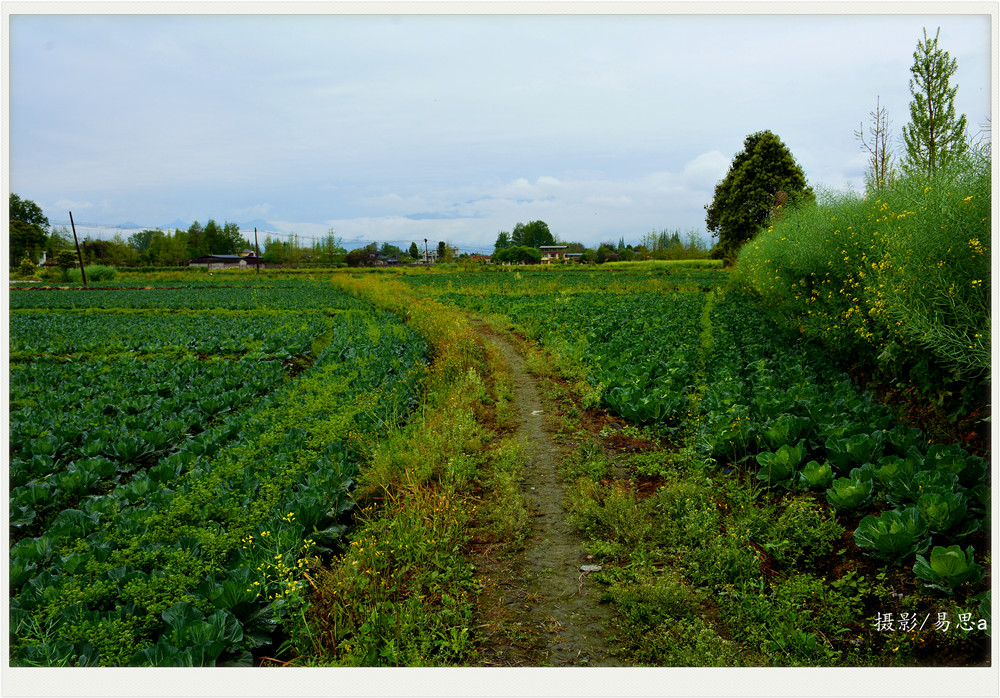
{"x":79,"y":255}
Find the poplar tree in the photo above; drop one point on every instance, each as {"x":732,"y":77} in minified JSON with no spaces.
{"x":881,"y":162}
{"x":935,"y":136}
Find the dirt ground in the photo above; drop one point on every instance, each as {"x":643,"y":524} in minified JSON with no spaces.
{"x":544,"y":610}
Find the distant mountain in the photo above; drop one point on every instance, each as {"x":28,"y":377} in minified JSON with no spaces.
{"x":128,"y":224}
{"x":178,"y":225}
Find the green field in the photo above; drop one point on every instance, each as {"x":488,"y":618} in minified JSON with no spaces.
{"x":196,"y":464}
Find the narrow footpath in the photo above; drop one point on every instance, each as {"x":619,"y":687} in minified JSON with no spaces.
{"x":550,"y":597}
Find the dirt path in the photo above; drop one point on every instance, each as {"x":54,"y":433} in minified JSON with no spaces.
{"x":549,"y":598}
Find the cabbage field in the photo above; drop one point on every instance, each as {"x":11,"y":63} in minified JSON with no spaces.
{"x":180,"y":456}
{"x":184,"y":461}
{"x":801,"y":492}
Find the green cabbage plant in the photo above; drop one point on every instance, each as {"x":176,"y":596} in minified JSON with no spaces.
{"x":943,"y":511}
{"x":948,"y":568}
{"x":814,"y":475}
{"x":851,"y":492}
{"x":894,"y":535}
{"x":778,"y":467}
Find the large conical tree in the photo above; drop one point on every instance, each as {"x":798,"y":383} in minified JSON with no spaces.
{"x":934,"y":136}
{"x":762,"y":179}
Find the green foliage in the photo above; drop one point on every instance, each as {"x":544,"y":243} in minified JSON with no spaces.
{"x":894,"y":535}
{"x":517,"y":254}
{"x":612,"y":514}
{"x":211,"y":486}
{"x":850,"y":492}
{"x":657,"y":621}
{"x":27,"y":269}
{"x":815,"y":475}
{"x":95,"y":272}
{"x":898,"y":282}
{"x":942,"y":510}
{"x":779,"y":468}
{"x":588,"y":460}
{"x":762,"y":180}
{"x":503,"y":241}
{"x":935,"y":136}
{"x":531,"y":234}
{"x":25,"y":240}
{"x":26,"y":211}
{"x":803,"y":532}
{"x":948,"y":568}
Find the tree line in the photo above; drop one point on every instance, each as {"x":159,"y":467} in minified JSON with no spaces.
{"x":30,"y":237}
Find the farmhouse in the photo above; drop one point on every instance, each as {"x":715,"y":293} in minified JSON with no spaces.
{"x":553,"y":253}
{"x":226,"y":261}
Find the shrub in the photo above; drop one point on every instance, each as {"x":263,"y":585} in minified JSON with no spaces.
{"x":899,"y":279}
{"x":95,"y":272}
{"x":804,"y":531}
{"x":26,"y":270}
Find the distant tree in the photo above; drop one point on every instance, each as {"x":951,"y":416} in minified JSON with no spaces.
{"x":225,"y":239}
{"x":517,"y":255}
{"x":196,"y":241}
{"x":414,"y":251}
{"x":762,"y":179}
{"x":25,"y":240}
{"x":532,"y":234}
{"x":362,"y":256}
{"x":329,"y":249}
{"x":118,"y":253}
{"x":58,"y":239}
{"x":26,"y":211}
{"x":503,"y":241}
{"x":881,"y":162}
{"x":442,"y":250}
{"x":606,"y":252}
{"x":168,"y":250}
{"x":95,"y":250}
{"x":28,"y":226}
{"x":233,"y":241}
{"x":25,"y":270}
{"x":274,"y":250}
{"x":141,"y":241}
{"x":389,"y":250}
{"x":66,"y":260}
{"x":935,"y":136}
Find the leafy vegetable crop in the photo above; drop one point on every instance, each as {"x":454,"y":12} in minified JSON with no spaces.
{"x":167,"y":495}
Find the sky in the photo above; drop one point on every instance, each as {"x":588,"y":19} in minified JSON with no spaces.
{"x":402,"y":128}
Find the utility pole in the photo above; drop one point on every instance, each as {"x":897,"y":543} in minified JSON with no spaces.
{"x":256,"y":246}
{"x":83,"y":272}
{"x":427,"y":259}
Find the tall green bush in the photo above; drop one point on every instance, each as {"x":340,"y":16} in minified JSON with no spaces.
{"x":899,"y":279}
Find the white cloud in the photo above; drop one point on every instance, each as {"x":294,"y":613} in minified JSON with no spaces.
{"x":255,"y":211}
{"x":69,"y":205}
{"x":602,"y":126}
{"x":706,"y":170}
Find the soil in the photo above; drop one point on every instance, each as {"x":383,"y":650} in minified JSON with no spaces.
{"x":544,"y":610}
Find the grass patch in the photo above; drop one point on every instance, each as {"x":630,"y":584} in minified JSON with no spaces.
{"x":403,"y":592}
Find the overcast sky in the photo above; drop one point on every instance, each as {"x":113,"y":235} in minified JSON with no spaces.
{"x":452,"y":128}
